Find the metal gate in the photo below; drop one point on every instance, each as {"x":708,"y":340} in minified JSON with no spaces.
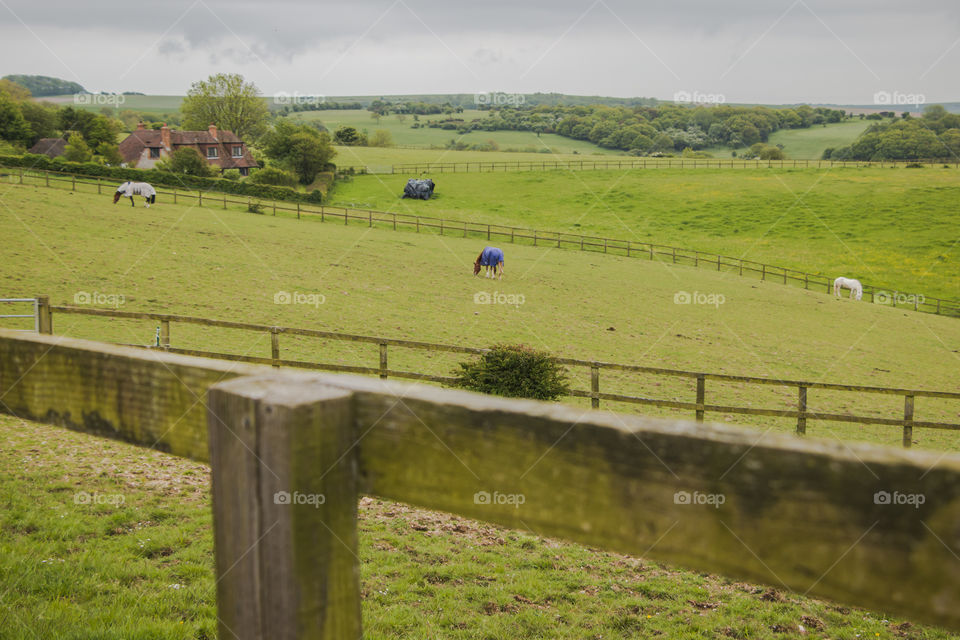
{"x":35,"y":315}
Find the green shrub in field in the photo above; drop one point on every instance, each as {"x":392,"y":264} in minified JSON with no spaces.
{"x":273,"y":176}
{"x":515,"y":371}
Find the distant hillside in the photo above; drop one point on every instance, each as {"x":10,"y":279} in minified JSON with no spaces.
{"x":41,"y":86}
{"x":472,"y":100}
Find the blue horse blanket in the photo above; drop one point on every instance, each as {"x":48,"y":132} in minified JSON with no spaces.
{"x":491,"y":257}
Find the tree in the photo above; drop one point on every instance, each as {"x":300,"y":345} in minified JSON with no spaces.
{"x":13,"y":127}
{"x":228,"y":102}
{"x":273,"y":176}
{"x":94,"y":127}
{"x":300,"y":148}
{"x":77,"y":149}
{"x":187,"y":161}
{"x":348,"y":136}
{"x":109,"y":154}
{"x":42,"y":119}
{"x":380,"y":138}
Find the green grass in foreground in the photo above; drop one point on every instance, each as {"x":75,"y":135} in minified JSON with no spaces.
{"x":100,"y":539}
{"x":230,"y":265}
{"x":887,"y":227}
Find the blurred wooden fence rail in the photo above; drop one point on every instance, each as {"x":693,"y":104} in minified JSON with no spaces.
{"x":515,"y":235}
{"x":803,"y":413}
{"x":650,"y":163}
{"x":291,"y":452}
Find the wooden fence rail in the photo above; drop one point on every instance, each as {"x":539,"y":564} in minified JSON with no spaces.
{"x":521,"y":235}
{"x":650,"y":163}
{"x":803,"y":413}
{"x":291,"y":452}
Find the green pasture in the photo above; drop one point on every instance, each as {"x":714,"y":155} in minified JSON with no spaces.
{"x":402,"y":133}
{"x":101,"y":539}
{"x":891,"y":227}
{"x":230,"y":264}
{"x":810,"y":143}
{"x":72,"y":567}
{"x":381,"y":159}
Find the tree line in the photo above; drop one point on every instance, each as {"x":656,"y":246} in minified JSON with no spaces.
{"x":935,"y":135}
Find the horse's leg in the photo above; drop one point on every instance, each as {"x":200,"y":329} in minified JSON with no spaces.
{"x":132,"y":203}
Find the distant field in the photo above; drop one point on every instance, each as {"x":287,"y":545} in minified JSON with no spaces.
{"x":810,"y":143}
{"x":148,"y":104}
{"x":807,"y":144}
{"x":889,"y":227}
{"x":403,"y":134}
{"x":380,"y":159}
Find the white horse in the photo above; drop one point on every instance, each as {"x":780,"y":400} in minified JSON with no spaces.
{"x":130,"y":189}
{"x":856,"y":289}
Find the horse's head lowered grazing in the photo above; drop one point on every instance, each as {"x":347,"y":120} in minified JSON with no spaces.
{"x":476,"y":267}
{"x":120,"y":192}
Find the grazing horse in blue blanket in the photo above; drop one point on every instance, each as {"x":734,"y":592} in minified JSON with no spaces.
{"x":130,"y":189}
{"x":492,"y":259}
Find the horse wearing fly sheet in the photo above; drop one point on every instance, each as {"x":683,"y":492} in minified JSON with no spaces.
{"x":856,"y":289}
{"x":130,"y":189}
{"x":492,"y":259}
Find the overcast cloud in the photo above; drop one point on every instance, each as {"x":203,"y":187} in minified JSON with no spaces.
{"x":841,"y":51}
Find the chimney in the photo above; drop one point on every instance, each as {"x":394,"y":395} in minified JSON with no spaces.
{"x":213,"y":130}
{"x":140,"y":125}
{"x":165,"y":136}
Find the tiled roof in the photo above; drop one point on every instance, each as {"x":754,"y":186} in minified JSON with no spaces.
{"x":51,"y":147}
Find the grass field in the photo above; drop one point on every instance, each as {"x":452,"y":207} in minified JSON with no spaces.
{"x":147,"y":104}
{"x":104,"y":540}
{"x":143,"y":568}
{"x":381,"y":159}
{"x":888,"y":227}
{"x":810,"y":143}
{"x":403,"y":134}
{"x":230,"y":264}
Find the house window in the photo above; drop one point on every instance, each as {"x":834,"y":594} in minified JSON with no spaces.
{"x":212,"y":152}
{"x":154,"y":152}
{"x":244,"y":171}
{"x":238,"y":152}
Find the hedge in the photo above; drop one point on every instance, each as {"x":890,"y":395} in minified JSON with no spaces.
{"x":161,"y":178}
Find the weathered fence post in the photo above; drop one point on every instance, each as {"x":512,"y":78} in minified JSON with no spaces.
{"x":284,"y":509}
{"x":594,"y":386}
{"x":802,"y":408}
{"x":383,"y":360}
{"x":907,"y":421}
{"x":275,"y":346}
{"x":165,"y":334}
{"x":44,"y":315}
{"x":701,"y":394}
{"x":174,"y":195}
{"x":199,"y":198}
{"x":98,"y":186}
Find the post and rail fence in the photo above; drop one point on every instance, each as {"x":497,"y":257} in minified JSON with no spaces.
{"x":650,"y":163}
{"x":886,"y":296}
{"x":803,"y":413}
{"x":813,"y":516}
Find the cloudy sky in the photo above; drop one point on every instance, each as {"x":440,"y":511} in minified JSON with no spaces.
{"x":770,"y":51}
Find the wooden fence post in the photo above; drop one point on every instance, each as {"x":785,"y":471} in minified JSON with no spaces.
{"x":285,"y":493}
{"x":298,"y":211}
{"x":802,"y":408}
{"x":383,"y":360}
{"x":224,"y":201}
{"x":165,"y":334}
{"x":199,"y":198}
{"x":174,"y":195}
{"x":275,"y":346}
{"x":594,"y":386}
{"x":73,"y":182}
{"x":907,"y":421}
{"x":45,"y":316}
{"x":701,"y":393}
{"x":98,"y":186}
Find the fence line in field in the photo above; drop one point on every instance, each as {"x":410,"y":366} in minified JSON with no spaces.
{"x":803,"y":413}
{"x":649,"y":163}
{"x":521,"y":235}
{"x":826,"y":521}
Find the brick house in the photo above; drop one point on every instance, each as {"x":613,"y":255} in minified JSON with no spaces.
{"x":145,"y":147}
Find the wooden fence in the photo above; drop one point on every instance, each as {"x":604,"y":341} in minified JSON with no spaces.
{"x":863,"y":525}
{"x":517,"y":235}
{"x":649,"y":163}
{"x":698,"y":404}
